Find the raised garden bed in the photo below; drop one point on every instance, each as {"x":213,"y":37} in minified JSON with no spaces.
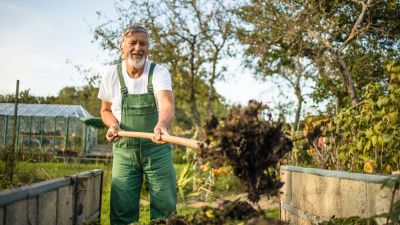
{"x":69,"y":200}
{"x":311,"y":195}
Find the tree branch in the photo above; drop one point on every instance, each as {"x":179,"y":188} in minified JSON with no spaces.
{"x":355,"y":31}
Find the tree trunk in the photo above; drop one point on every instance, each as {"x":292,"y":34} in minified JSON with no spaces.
{"x":299,"y":70}
{"x":193,"y":101}
{"x":346,"y":78}
{"x":297,"y":92}
{"x":212,"y":81}
{"x":210,"y":98}
{"x":193,"y":105}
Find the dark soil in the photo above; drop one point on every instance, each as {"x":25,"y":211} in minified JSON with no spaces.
{"x":252,"y":144}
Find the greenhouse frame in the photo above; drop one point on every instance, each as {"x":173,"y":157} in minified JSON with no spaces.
{"x":43,"y":128}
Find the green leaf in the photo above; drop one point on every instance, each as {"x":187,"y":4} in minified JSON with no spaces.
{"x":342,"y":156}
{"x":377,"y":128}
{"x":382,"y":101}
{"x":367,"y":146}
{"x":364,"y":158}
{"x":393,"y":117}
{"x":380,"y":140}
{"x":387,"y":138}
{"x":359,"y":144}
{"x":374,"y":140}
{"x":393,"y":97}
{"x":369,"y":133}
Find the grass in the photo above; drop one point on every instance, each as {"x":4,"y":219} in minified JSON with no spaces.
{"x":273,"y":213}
{"x":28,"y":172}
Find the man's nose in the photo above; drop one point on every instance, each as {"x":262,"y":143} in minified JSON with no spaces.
{"x":137,"y":46}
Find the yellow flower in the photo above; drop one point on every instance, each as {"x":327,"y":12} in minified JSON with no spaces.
{"x":368,"y":167}
{"x":209,"y":214}
{"x":311,"y":151}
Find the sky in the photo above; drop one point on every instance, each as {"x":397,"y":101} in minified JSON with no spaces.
{"x":37,"y":38}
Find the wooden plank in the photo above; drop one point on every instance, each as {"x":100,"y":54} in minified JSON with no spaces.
{"x":14,"y":215}
{"x":88,"y":206}
{"x":47,"y":212}
{"x":2,"y":216}
{"x":296,"y":213}
{"x":29,"y":191}
{"x":97,"y":194}
{"x":32,"y":211}
{"x":352,"y":199}
{"x":286,"y":189}
{"x":80,"y":199}
{"x":65,"y":206}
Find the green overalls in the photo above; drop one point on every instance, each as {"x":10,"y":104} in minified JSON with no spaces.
{"x":134,"y":157}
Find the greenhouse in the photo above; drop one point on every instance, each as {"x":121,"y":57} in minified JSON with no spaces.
{"x":45,"y":128}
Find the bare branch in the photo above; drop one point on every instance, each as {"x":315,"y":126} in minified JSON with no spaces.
{"x":355,"y":31}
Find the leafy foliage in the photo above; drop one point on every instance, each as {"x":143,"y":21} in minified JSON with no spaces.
{"x":94,"y":122}
{"x":25,"y":97}
{"x":346,"y":42}
{"x":251,"y":145}
{"x":360,"y":139}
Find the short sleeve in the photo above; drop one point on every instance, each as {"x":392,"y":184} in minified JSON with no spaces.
{"x":161,"y":79}
{"x":104,"y":87}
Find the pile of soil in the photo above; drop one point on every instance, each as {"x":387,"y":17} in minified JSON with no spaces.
{"x":250,"y":142}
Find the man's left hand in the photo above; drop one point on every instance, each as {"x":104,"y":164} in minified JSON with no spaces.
{"x":158,"y":132}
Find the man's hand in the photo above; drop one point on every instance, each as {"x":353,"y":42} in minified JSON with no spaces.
{"x":159,"y":130}
{"x":112,"y":133}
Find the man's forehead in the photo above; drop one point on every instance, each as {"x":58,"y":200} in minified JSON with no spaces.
{"x":136,"y":35}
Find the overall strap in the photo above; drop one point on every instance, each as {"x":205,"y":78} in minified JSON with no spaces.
{"x":124,"y":90}
{"x":150,"y":78}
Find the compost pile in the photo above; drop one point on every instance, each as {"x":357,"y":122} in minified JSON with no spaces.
{"x":229,"y":212}
{"x":251,"y":144}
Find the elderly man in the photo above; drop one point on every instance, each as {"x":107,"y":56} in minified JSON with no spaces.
{"x":137,"y":95}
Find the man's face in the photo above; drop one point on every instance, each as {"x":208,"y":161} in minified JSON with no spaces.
{"x":135,"y":49}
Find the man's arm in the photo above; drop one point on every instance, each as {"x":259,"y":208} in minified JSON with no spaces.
{"x":166,"y":108}
{"x":110,"y":121}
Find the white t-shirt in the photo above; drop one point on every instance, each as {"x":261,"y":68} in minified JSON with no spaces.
{"x":110,"y":88}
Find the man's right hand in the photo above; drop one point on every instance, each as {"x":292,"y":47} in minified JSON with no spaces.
{"x":112,"y":133}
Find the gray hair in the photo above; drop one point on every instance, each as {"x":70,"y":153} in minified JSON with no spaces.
{"x":136,"y":28}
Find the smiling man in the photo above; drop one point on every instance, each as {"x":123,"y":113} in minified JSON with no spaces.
{"x":137,"y":95}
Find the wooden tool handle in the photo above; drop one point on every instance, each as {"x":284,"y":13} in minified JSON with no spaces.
{"x":167,"y":138}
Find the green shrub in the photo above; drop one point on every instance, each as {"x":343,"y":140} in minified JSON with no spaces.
{"x":364,"y":138}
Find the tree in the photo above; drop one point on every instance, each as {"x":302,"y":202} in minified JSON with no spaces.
{"x":24,"y":97}
{"x":85,"y":96}
{"x":334,"y":35}
{"x":188,"y":37}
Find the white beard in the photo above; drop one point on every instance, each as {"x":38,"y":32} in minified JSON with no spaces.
{"x":137,"y":64}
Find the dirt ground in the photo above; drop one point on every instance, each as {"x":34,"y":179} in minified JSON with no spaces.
{"x":264,"y":203}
